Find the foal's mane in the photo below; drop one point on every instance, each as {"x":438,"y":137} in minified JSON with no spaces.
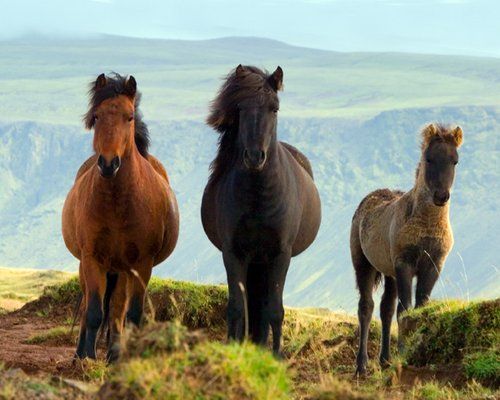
{"x":116,"y":86}
{"x":250,"y":83}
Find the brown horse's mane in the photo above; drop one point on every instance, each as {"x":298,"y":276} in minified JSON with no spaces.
{"x":115,"y":86}
{"x":252,"y":83}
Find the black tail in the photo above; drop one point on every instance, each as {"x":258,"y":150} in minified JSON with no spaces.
{"x":111,"y":280}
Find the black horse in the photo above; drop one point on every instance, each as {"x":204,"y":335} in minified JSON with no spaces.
{"x":260,"y":206}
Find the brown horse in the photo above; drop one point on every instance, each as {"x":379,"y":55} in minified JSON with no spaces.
{"x":260,"y":206}
{"x":120,"y":218}
{"x":404,"y":235}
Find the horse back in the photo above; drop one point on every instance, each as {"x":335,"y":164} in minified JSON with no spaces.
{"x":299,"y":157}
{"x":158,"y":167}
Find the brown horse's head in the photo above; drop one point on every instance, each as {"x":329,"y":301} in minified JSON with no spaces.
{"x":246,"y":110}
{"x":439,"y":158}
{"x":116,"y":120}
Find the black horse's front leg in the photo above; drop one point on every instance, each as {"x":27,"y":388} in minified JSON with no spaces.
{"x":236,"y":270}
{"x":274,"y":312}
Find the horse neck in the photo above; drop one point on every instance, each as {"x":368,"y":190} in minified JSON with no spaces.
{"x":421,"y":198}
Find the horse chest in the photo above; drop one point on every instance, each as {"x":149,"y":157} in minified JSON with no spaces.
{"x":124,"y":233}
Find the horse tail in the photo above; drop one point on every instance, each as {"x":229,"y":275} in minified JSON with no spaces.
{"x":111,"y":280}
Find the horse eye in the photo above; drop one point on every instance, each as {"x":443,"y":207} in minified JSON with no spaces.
{"x":130,"y":118}
{"x":95,"y":117}
{"x":455,"y":162}
{"x":429,"y":160}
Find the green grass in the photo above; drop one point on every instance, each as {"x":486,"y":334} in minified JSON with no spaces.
{"x":164,"y":361}
{"x":18,"y":286}
{"x":437,"y":391}
{"x":174,"y":359}
{"x":453,"y":332}
{"x":484,"y":366}
{"x":56,"y":335}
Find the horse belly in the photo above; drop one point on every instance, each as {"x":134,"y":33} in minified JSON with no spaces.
{"x":375,"y":246}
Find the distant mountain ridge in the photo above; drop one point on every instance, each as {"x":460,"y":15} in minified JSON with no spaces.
{"x":355,"y":115}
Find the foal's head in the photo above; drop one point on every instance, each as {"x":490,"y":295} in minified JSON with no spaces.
{"x":439,"y":158}
{"x":114,"y":115}
{"x":246,"y":108}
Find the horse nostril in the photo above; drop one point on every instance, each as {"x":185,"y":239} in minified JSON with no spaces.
{"x":115,"y":163}
{"x":262,"y":156}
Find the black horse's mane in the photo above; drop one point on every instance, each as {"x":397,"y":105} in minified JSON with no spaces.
{"x":115,"y":86}
{"x":251,"y":83}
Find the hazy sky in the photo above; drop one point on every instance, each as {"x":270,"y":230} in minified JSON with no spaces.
{"x":430,"y":26}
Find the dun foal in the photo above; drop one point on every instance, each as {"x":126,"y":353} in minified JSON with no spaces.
{"x":404,"y":235}
{"x":120,"y":218}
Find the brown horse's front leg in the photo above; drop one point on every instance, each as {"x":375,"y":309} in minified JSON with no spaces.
{"x":95,"y":286}
{"x":138,"y":283}
{"x":117,"y":311}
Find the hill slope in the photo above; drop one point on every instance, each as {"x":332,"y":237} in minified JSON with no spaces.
{"x":348,"y":112}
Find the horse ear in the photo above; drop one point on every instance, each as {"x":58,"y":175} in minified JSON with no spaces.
{"x":100,"y":82}
{"x":240,"y":70}
{"x":130,"y":86}
{"x":276,"y":79}
{"x":428,"y":132}
{"x":458,"y":136}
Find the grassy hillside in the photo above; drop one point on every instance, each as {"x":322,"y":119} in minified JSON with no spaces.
{"x":182,"y":355}
{"x":45,"y":80}
{"x":18,"y":286}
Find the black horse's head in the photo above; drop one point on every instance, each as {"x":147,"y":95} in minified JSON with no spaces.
{"x":245,"y":113}
{"x":258,"y":117}
{"x":439,"y":158}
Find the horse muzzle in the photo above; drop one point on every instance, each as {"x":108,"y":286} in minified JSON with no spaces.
{"x":254,"y":159}
{"x":441,"y":197}
{"x":108,"y":170}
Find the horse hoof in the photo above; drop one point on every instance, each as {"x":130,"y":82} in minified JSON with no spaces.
{"x":360,"y":371}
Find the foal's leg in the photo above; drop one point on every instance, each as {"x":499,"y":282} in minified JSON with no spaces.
{"x":274,"y":312}
{"x":95,"y":286}
{"x":366,"y":277}
{"x":387,"y":308}
{"x":236,"y":274}
{"x":117,"y":311}
{"x":405,"y":272}
{"x":138,"y":282}
{"x":427,"y":275}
